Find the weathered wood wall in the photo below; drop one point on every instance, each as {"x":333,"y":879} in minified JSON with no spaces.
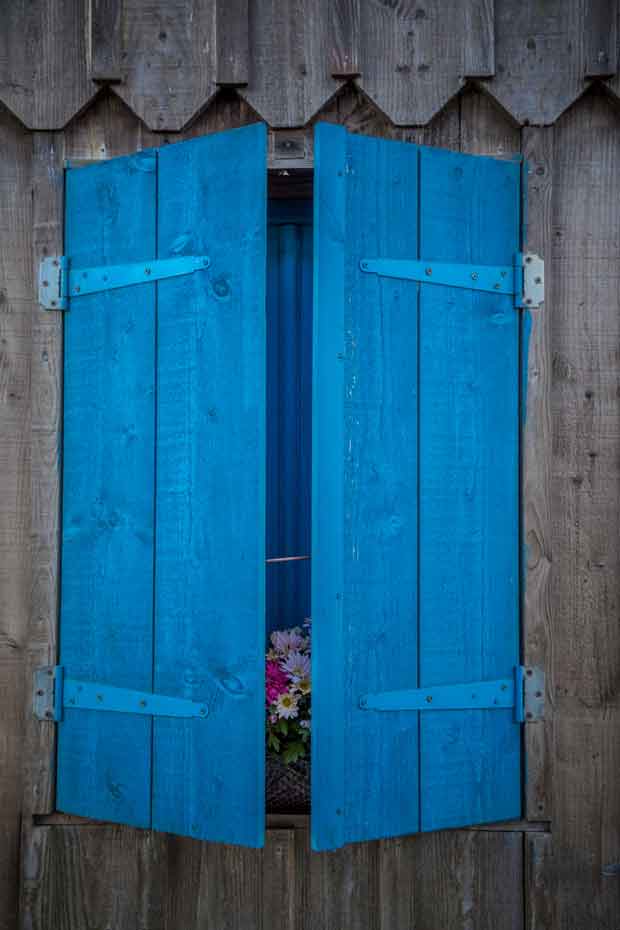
{"x":91,"y":80}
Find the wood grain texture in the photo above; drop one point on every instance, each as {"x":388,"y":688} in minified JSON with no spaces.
{"x":411,"y":57}
{"x":46,"y":412}
{"x":537,"y":452}
{"x":289,"y":71}
{"x":344,"y":29}
{"x":106,"y":611}
{"x":479,"y":29}
{"x":232,"y":67}
{"x":210,"y":508}
{"x":122,"y":878}
{"x":601,"y":50}
{"x":16,"y":307}
{"x":43,"y":62}
{"x":365,"y":414}
{"x":485,"y":129}
{"x":468,"y":479}
{"x":106,"y":40}
{"x":540,"y":887}
{"x":539,"y":57}
{"x":456,"y":879}
{"x":585,"y":587}
{"x":169,"y":72}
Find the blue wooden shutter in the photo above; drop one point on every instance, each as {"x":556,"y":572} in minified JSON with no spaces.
{"x":415,"y":532}
{"x":163,"y":541}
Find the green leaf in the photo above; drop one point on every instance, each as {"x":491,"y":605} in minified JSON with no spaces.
{"x":293,"y":752}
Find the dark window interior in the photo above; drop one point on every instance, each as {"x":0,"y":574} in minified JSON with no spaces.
{"x":289,"y":398}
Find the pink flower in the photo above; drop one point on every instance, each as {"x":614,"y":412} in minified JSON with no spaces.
{"x":276,"y":682}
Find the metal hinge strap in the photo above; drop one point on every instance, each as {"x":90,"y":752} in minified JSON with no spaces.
{"x":524,"y":280}
{"x":524,"y":692}
{"x":53,"y":693}
{"x":58,"y":281}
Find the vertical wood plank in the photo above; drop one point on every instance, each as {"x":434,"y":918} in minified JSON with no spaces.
{"x":106,"y":625}
{"x":48,"y":210}
{"x":344,"y":30}
{"x":479,"y":38}
{"x":208,"y":775}
{"x":106,"y":40}
{"x":340,"y":888}
{"x":537,"y":458}
{"x":232,"y":43}
{"x":539,"y":888}
{"x":585,"y":582}
{"x":375,"y":533}
{"x":469,"y":474}
{"x":600,"y":37}
{"x":16,"y":313}
{"x":280,"y":882}
{"x":328,"y":764}
{"x":452,"y":879}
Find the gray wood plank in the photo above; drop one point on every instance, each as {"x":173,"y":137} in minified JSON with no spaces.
{"x":289,"y":51}
{"x":106,"y":40}
{"x":451,"y":879}
{"x":280,"y":881}
{"x":169,"y":73}
{"x":232,"y":43}
{"x":539,"y":58}
{"x":46,"y":380}
{"x":344,"y":31}
{"x":401,"y":68}
{"x":16,"y":308}
{"x":536,"y":492}
{"x":601,"y":38}
{"x":539,"y":893}
{"x":340,"y":889}
{"x":479,"y":34}
{"x":585,"y":587}
{"x":43,"y":61}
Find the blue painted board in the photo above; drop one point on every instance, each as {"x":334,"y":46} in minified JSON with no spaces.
{"x":289,"y":380}
{"x":208,"y":775}
{"x":106,"y":606}
{"x":415,"y":490}
{"x":469,"y":489}
{"x":364,"y":496}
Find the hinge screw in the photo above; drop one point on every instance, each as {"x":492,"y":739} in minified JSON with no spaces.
{"x":147,"y":270}
{"x":142,"y":703}
{"x":537,"y":280}
{"x":46,"y":284}
{"x":429,"y":699}
{"x":429,"y":271}
{"x":474,"y":275}
{"x":203,"y":711}
{"x":49,"y":714}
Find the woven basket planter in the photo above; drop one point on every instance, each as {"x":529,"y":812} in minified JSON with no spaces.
{"x":287,"y":786}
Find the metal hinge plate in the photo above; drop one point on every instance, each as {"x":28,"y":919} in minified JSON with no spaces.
{"x":524,"y":692}
{"x":524,"y":280}
{"x":53,"y":693}
{"x":58,"y":281}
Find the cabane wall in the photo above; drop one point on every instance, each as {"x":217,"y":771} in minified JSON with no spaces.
{"x":90,"y":80}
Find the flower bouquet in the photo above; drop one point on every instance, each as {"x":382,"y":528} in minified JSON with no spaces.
{"x":288,"y":687}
